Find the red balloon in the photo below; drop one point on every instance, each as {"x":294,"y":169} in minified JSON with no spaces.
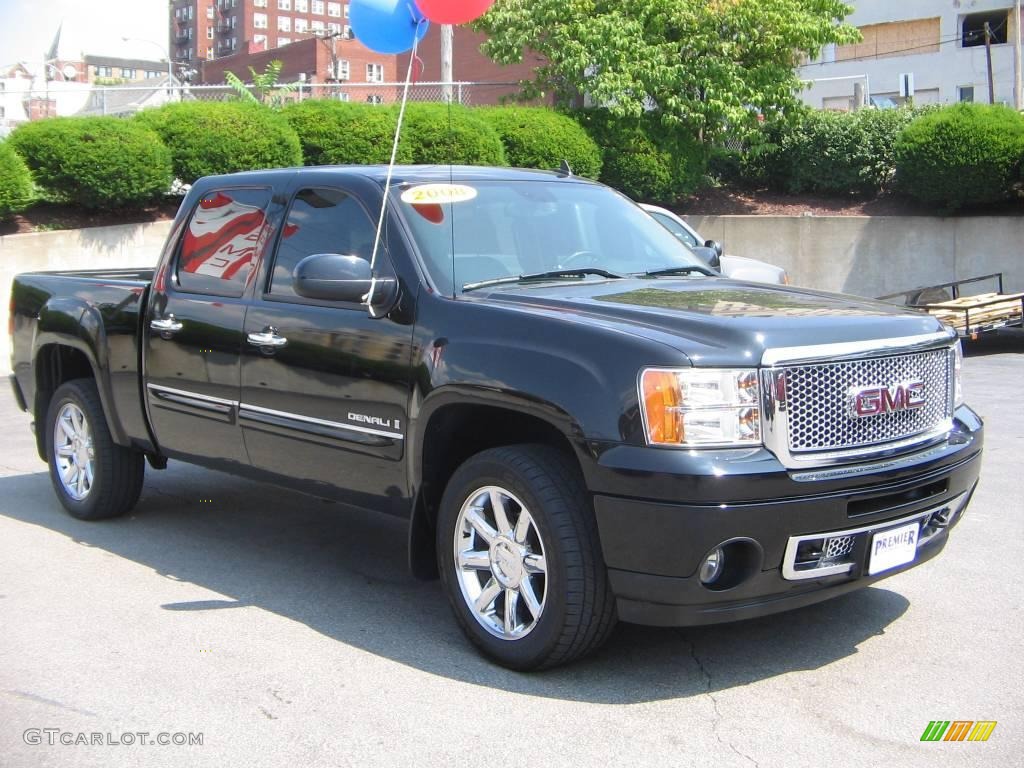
{"x":453,"y":11}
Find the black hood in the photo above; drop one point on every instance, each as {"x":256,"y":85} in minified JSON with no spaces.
{"x":715,"y":321}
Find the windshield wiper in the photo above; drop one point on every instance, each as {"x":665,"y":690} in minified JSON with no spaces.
{"x":679,"y":271}
{"x":554,"y":273}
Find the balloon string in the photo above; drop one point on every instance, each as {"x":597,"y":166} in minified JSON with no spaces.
{"x":391,"y":167}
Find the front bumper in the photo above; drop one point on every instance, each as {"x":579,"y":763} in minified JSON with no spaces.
{"x":653,"y":547}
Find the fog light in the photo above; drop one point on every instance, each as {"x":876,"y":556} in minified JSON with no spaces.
{"x":712,"y":566}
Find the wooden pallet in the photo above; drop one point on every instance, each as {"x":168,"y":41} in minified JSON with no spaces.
{"x":969,"y":314}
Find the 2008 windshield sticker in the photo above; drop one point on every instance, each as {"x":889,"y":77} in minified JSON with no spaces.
{"x":438,"y":194}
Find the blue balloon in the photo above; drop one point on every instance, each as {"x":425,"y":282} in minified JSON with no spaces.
{"x":387,"y":26}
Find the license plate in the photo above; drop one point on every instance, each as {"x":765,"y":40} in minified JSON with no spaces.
{"x":893,"y":548}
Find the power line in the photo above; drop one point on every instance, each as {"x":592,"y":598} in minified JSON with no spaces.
{"x":877,"y":55}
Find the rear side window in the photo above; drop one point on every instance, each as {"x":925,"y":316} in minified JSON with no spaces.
{"x":222,"y":241}
{"x":320,"y":220}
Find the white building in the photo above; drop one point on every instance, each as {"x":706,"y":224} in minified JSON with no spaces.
{"x":932,"y":50}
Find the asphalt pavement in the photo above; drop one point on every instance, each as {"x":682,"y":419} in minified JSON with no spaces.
{"x":283,"y":630}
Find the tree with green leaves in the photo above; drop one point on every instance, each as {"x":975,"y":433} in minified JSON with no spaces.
{"x":265,"y":89}
{"x":709,"y":65}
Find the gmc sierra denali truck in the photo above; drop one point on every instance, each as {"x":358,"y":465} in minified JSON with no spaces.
{"x":581,"y":421}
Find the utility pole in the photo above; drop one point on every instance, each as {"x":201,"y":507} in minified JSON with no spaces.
{"x":1018,"y":85}
{"x":988,"y":57}
{"x":447,"y":40}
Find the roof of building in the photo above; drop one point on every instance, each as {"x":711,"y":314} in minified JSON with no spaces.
{"x":113,"y":61}
{"x":123,"y":100}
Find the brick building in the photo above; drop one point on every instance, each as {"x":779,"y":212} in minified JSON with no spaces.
{"x":470,"y":65}
{"x":311,"y":37}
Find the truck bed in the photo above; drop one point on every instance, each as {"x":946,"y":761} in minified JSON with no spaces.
{"x":97,"y":313}
{"x":968,"y":315}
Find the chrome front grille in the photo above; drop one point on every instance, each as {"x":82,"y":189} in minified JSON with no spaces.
{"x":818,"y":400}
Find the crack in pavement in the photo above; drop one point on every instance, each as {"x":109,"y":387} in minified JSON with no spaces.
{"x":719,"y":718}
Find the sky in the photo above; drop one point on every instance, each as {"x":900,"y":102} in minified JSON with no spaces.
{"x":27,"y":28}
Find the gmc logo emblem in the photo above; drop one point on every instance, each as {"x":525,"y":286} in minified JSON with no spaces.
{"x":874,"y":401}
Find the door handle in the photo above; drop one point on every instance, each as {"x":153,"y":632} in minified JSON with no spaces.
{"x":166,"y":326}
{"x":267,"y":338}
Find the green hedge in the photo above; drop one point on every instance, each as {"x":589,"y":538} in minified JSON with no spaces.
{"x":96,"y":162}
{"x":15,"y":182}
{"x":208,"y":138}
{"x":439,"y":134}
{"x":967,"y":154}
{"x":537,"y":137}
{"x":840,"y":153}
{"x":340,"y":133}
{"x":644,"y":159}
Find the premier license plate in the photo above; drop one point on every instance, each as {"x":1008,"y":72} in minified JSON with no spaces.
{"x":893,"y":548}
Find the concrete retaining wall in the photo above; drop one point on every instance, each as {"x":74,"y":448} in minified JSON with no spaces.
{"x":875,"y":255}
{"x":868,"y":256}
{"x":128,"y":245}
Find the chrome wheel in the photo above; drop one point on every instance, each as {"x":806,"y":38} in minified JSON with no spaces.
{"x":74,"y":452}
{"x":500,"y":563}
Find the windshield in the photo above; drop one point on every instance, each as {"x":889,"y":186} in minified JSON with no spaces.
{"x":487,"y":230}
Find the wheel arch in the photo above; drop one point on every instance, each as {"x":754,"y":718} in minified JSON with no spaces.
{"x":460,"y":424}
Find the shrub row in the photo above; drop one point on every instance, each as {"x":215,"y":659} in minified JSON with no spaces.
{"x":15,"y":182}
{"x":950,"y":157}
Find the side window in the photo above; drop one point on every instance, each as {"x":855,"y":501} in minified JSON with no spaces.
{"x":222,"y":241}
{"x":320,"y":221}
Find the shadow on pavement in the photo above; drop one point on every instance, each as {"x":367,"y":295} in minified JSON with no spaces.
{"x":343,"y":573}
{"x":996,"y":343}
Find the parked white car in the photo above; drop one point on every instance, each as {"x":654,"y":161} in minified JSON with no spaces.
{"x":736,"y":267}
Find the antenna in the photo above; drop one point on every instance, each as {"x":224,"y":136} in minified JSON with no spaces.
{"x":564,"y":169}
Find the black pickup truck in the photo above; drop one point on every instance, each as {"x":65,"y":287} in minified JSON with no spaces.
{"x":581,"y":422}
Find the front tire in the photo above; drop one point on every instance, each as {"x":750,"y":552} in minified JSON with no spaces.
{"x":520,"y":559}
{"x":93,"y":477}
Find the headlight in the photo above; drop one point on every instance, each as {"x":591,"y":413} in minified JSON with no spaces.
{"x":958,"y":364}
{"x":701,"y":406}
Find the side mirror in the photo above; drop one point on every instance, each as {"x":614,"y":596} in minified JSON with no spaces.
{"x":715,"y":246}
{"x":334,"y":277}
{"x":708,"y":255}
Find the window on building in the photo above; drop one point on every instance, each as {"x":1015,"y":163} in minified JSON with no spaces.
{"x":209,"y":53}
{"x":375,"y":73}
{"x":334,"y":9}
{"x":302,"y":6}
{"x":104,"y":72}
{"x":128,"y":73}
{"x":374,"y":98}
{"x":283,"y":41}
{"x":896,"y":38}
{"x":334,"y":28}
{"x":191,"y":12}
{"x":972,"y":30}
{"x":259,"y":3}
{"x":284,"y":5}
{"x":965,"y":93}
{"x":318,"y":7}
{"x":152,"y":74}
{"x":210,"y":13}
{"x":259,"y":20}
{"x":301,"y":25}
{"x":342,"y":70}
{"x":346,"y":32}
{"x":220,"y":245}
{"x":346,"y":10}
{"x":209,"y":33}
{"x":318,"y":26}
{"x":284,"y":23}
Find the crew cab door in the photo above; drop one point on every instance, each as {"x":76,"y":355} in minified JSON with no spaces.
{"x":325,"y":388}
{"x":194,"y":327}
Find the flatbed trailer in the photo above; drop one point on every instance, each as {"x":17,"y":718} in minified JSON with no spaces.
{"x":969,"y":315}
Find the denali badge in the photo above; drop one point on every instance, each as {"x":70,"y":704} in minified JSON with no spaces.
{"x":874,"y":401}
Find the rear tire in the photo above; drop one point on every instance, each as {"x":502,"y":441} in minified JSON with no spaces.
{"x":540,"y":554}
{"x":93,"y":477}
